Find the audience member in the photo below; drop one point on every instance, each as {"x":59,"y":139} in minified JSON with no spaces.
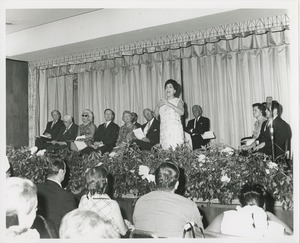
{"x":259,"y":113}
{"x":54,"y":201}
{"x":65,"y":135}
{"x":125,"y":133}
{"x":51,"y":131}
{"x":151,"y":131}
{"x":21,"y":204}
{"x":106,"y":135}
{"x":134,"y":120}
{"x":98,"y":201}
{"x":81,"y":224}
{"x":86,"y":130}
{"x":162,"y":211}
{"x":197,"y":127}
{"x":250,"y":219}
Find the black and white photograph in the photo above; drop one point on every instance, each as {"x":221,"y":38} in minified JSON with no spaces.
{"x":150,"y":119}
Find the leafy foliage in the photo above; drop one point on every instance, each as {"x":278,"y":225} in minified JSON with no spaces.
{"x":217,"y":172}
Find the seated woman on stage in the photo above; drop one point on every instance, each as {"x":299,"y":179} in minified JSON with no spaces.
{"x":21,"y":205}
{"x":85,"y":224}
{"x":98,"y":201}
{"x":251,"y":219}
{"x":86,"y":130}
{"x":125,"y":133}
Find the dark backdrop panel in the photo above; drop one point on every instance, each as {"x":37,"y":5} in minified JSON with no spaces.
{"x":16,"y":103}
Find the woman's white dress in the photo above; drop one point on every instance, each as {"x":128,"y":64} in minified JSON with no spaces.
{"x":171,"y":130}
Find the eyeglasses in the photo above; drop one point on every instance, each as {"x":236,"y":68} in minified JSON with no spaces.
{"x":85,"y":115}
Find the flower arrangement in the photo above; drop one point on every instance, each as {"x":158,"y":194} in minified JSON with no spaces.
{"x":215,"y":172}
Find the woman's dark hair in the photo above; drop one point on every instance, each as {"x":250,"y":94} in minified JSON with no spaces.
{"x":174,"y":84}
{"x":96,"y":180}
{"x":261,"y":107}
{"x":166,"y":176}
{"x":252,"y":194}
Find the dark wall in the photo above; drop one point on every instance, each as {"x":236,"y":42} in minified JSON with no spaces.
{"x":16,"y":103}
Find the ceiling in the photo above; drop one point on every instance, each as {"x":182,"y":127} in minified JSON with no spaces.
{"x":26,"y":20}
{"x":22,"y":19}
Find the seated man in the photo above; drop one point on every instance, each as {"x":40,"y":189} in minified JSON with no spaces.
{"x":259,"y":113}
{"x":197,"y":127}
{"x":54,"y":201}
{"x":150,"y":129}
{"x":51,"y":130}
{"x":106,"y":135}
{"x":65,"y":134}
{"x":162,"y":211}
{"x":134,"y":120}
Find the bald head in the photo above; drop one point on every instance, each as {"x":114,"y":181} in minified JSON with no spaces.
{"x":148,"y":114}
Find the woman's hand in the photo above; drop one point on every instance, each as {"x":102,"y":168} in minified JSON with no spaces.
{"x":162,"y":102}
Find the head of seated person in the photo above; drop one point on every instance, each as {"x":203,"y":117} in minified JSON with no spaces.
{"x":87,"y":117}
{"x":252,"y":194}
{"x":21,"y":205}
{"x":167,"y":176}
{"x":96,"y":180}
{"x":127,"y":118}
{"x":85,"y":224}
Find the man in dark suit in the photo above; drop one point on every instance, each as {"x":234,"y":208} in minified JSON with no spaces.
{"x":281,"y":132}
{"x":134,"y":120}
{"x":106,"y":135}
{"x":54,"y":201}
{"x":197,"y":126}
{"x":51,"y":131}
{"x":151,"y":129}
{"x":65,"y":135}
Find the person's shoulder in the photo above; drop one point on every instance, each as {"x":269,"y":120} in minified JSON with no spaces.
{"x":115,"y":125}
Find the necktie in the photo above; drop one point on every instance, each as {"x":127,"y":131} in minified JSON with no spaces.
{"x":195,"y":123}
{"x":105,"y":125}
{"x":53,"y":123}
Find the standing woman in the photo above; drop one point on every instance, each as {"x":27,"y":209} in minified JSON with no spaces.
{"x":170,"y":110}
{"x":87,"y":129}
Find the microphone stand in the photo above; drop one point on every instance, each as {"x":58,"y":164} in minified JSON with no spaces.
{"x":272,"y":138}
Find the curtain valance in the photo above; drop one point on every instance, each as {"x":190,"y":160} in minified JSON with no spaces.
{"x":237,"y":32}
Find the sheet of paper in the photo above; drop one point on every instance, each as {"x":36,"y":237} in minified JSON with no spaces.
{"x":208,"y":135}
{"x":139,"y":133}
{"x":80,"y":145}
{"x":248,"y":141}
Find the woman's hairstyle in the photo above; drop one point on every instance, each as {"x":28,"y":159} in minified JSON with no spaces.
{"x":96,"y":180}
{"x":134,"y":117}
{"x":261,"y":107}
{"x":252,"y":194}
{"x":174,"y":84}
{"x":55,"y":165}
{"x":166,"y":176}
{"x":127,"y":112}
{"x":21,"y":196}
{"x":90,"y":113}
{"x":82,"y":224}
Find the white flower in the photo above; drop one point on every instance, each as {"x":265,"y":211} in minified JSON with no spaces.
{"x":112,"y":154}
{"x":272,"y":165}
{"x":99,"y":164}
{"x":132,"y":171}
{"x":150,"y":178}
{"x":41,"y":152}
{"x":225,"y":178}
{"x":228,"y":150}
{"x":33,"y":149}
{"x":201,"y":158}
{"x":268,"y":171}
{"x":143,"y":171}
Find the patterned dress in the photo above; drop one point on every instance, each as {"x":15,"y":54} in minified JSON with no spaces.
{"x":171,"y":130}
{"x":87,"y":130}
